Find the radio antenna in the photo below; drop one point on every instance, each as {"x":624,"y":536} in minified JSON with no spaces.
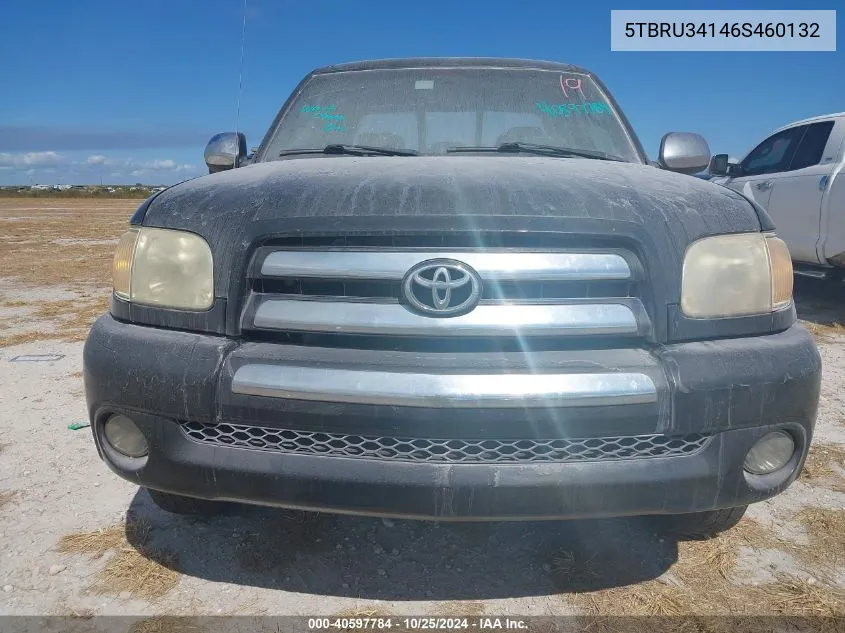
{"x":241,"y":72}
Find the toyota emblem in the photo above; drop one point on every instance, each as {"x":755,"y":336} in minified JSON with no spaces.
{"x":442,"y":288}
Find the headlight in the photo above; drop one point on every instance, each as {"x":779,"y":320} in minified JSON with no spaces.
{"x":736,"y":275}
{"x":172,"y":269}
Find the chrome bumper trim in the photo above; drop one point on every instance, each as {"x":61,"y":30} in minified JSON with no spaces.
{"x":443,"y":390}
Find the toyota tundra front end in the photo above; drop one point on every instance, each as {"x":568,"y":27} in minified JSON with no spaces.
{"x":454,"y":289}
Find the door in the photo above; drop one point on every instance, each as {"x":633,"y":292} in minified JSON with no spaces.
{"x":796,"y":199}
{"x":757,"y":170}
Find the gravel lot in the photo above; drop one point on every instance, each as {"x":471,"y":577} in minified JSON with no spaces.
{"x":787,"y":556}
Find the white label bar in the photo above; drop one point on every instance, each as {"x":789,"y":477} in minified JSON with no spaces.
{"x":757,"y":30}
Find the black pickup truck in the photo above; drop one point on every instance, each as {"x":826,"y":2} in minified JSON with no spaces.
{"x":454,"y":289}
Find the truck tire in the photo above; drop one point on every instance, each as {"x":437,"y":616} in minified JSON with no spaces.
{"x":702,"y":525}
{"x":178,"y":504}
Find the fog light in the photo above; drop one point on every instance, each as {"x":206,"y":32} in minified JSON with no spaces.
{"x":125,"y":436}
{"x":771,"y":452}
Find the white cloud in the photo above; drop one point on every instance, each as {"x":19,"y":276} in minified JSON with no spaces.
{"x":42,"y":158}
{"x":83,"y":168}
{"x":144,"y":169}
{"x":159,"y":164}
{"x":31,"y":159}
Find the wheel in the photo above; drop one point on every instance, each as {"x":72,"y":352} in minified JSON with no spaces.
{"x":178,"y":504}
{"x":702,"y":525}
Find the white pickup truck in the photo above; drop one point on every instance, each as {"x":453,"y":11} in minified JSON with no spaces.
{"x":797,"y":175}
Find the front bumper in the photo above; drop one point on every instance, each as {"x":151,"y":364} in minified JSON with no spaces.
{"x":733,"y":391}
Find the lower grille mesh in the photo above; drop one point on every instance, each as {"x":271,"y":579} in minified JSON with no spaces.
{"x":444,"y":450}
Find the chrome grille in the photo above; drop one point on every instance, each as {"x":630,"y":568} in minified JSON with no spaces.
{"x":444,"y":450}
{"x":358,"y":291}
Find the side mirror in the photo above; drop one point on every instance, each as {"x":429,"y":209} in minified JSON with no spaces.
{"x":718,"y":165}
{"x":225,"y":151}
{"x":684,"y":152}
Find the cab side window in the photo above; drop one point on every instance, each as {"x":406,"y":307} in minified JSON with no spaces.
{"x":774,"y":154}
{"x":811,"y":147}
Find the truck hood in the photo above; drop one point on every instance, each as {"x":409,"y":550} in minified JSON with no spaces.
{"x":233,"y":210}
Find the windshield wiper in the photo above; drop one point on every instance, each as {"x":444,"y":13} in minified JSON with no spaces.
{"x":541,"y":150}
{"x":351,"y":150}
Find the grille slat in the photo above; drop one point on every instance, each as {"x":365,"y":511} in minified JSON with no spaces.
{"x":491,"y":265}
{"x":464,"y":451}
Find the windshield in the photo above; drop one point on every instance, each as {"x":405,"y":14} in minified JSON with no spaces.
{"x":430,"y":110}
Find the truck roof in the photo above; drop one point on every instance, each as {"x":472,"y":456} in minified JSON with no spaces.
{"x":434,"y":62}
{"x":814,"y":119}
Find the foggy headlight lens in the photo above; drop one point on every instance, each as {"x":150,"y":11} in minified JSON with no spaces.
{"x":125,"y":436}
{"x":162,"y":267}
{"x":736,"y":275}
{"x":771,"y":452}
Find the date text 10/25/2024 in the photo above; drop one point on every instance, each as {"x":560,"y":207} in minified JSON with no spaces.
{"x":421,"y":623}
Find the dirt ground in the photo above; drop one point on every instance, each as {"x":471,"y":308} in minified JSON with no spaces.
{"x":77,"y":540}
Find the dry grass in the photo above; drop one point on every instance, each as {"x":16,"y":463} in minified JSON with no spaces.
{"x":30,"y":257}
{"x":825,"y":529}
{"x":6,"y":497}
{"x":99,"y":542}
{"x":459,"y":608}
{"x":66,"y":320}
{"x":166,"y":624}
{"x":55,"y":309}
{"x":820,"y":467}
{"x":796,"y":597}
{"x":361,"y":612}
{"x":130,"y":570}
{"x":824,"y":332}
{"x":30,"y":228}
{"x":136,"y":569}
{"x":705,"y":588}
{"x":650,"y":598}
{"x":718,"y":556}
{"x":30,"y":337}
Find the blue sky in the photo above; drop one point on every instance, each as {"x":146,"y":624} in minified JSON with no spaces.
{"x":120,"y":91}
